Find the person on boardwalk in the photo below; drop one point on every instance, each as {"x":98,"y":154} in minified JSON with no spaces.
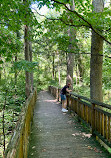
{"x":64,"y":90}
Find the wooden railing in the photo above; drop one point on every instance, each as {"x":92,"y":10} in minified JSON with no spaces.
{"x":95,"y":114}
{"x":18,"y":145}
{"x":55,"y":92}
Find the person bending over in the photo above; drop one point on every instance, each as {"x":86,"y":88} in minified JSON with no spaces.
{"x":64,"y":90}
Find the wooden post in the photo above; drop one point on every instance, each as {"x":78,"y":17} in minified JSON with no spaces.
{"x":93,"y":118}
{"x":57,"y":94}
{"x":99,"y":122}
{"x":109,"y":129}
{"x":74,"y":105}
{"x":71,"y":106}
{"x":67,"y":101}
{"x":102,"y":125}
{"x":87,"y":114}
{"x":78,"y":107}
{"x":70,"y":103}
{"x":83,"y":112}
{"x":59,"y":98}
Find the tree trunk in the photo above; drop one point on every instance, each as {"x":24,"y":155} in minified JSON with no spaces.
{"x":70,"y":56}
{"x":96,"y":60}
{"x":59,"y":70}
{"x":31,"y":74}
{"x":76,"y":74}
{"x":53,"y":65}
{"x":80,"y":70}
{"x":59,"y":73}
{"x":27,"y":74}
{"x":18,"y":36}
{"x":70,"y":64}
{"x":26,"y":44}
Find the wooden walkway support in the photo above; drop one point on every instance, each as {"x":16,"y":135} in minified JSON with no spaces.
{"x":58,"y":135}
{"x":95,"y":114}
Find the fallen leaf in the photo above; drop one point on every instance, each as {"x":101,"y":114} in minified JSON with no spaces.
{"x":69,"y":122}
{"x":33,"y":147}
{"x":44,"y":150}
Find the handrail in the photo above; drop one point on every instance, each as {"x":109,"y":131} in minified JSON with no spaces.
{"x":92,"y":100}
{"x":18,"y":145}
{"x":94,"y":113}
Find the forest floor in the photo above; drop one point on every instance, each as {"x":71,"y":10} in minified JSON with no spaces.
{"x":59,"y":135}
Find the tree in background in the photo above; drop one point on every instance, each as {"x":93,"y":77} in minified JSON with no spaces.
{"x":70,"y":55}
{"x":96,"y":58}
{"x":51,"y":45}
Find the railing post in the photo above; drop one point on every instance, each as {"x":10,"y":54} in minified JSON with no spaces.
{"x":78,"y":107}
{"x":58,"y":94}
{"x":59,"y":98}
{"x":67,"y":101}
{"x":70,"y":103}
{"x":93,"y":118}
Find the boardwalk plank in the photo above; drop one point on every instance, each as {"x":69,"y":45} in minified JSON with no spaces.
{"x":58,"y":135}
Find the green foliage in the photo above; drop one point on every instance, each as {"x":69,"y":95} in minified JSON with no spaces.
{"x":50,"y":43}
{"x":83,"y":90}
{"x":9,"y":44}
{"x":24,"y":65}
{"x":107,"y":73}
{"x":15,"y":98}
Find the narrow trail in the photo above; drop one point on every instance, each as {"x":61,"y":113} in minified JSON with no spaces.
{"x":58,"y":135}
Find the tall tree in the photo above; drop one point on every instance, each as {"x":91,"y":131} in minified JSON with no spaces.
{"x":96,"y":59}
{"x":26,"y":49}
{"x":79,"y":69}
{"x":70,"y":56}
{"x":53,"y":65}
{"x":31,"y":73}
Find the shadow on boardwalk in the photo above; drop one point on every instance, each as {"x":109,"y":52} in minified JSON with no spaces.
{"x":58,"y":135}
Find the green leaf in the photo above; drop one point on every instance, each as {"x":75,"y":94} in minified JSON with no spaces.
{"x":1,"y":62}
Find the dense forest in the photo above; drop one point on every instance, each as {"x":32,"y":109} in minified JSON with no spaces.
{"x":50,"y":43}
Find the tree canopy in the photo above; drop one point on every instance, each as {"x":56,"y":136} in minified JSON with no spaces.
{"x":48,"y":42}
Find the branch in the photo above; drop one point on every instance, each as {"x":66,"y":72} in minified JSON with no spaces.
{"x":73,"y":24}
{"x":2,"y":23}
{"x":81,"y":17}
{"x":61,"y":20}
{"x":44,"y":15}
{"x":106,"y":56}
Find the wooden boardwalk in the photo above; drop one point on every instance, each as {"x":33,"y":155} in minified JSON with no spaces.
{"x":58,"y":135}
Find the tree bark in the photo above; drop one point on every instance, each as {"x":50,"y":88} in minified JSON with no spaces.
{"x":26,"y":49}
{"x":70,"y":55}
{"x":96,"y":60}
{"x":80,"y":69}
{"x":27,"y":74}
{"x":18,"y":36}
{"x":53,"y":65}
{"x":31,"y":73}
{"x":70,"y":65}
{"x":59,"y":70}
